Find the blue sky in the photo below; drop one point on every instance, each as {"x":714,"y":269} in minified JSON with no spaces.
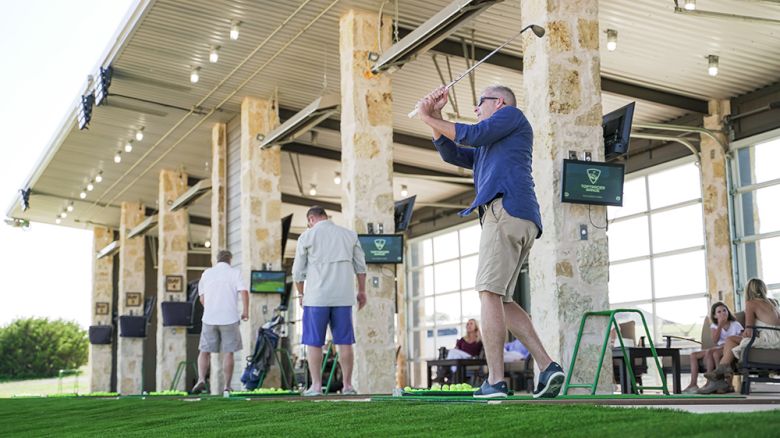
{"x":48,"y":48}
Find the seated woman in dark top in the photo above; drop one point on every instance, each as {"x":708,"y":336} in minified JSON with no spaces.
{"x":469,"y":345}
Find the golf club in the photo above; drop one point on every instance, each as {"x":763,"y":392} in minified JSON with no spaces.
{"x":537,"y":30}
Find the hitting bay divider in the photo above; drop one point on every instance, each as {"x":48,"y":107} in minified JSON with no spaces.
{"x":629,"y":366}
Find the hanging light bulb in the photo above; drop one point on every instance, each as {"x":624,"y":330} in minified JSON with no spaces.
{"x":404,"y":190}
{"x":194,"y":75}
{"x":712,"y":65}
{"x":118,"y":157}
{"x":99,"y":177}
{"x":139,"y":135}
{"x":207,"y":243}
{"x":313,"y":190}
{"x":337,"y":178}
{"x":90,"y":186}
{"x":612,"y":35}
{"x":63,"y":215}
{"x":214,"y":54}
{"x":234,"y":30}
{"x":129,"y":147}
{"x":83,"y":194}
{"x":69,"y":207}
{"x":690,"y":5}
{"x":58,"y":221}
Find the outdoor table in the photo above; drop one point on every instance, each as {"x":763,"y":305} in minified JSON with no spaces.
{"x":644,"y":352}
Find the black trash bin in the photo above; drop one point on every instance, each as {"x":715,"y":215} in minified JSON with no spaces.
{"x":100,"y":334}
{"x":132,"y":326}
{"x":177,"y":313}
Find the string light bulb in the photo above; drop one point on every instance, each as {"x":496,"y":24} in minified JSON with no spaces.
{"x":90,"y":186}
{"x":129,"y":147}
{"x":63,"y":215}
{"x":234,"y":30}
{"x":118,"y":157}
{"x":83,"y":194}
{"x":712,"y":65}
{"x":195,"y":75}
{"x":337,"y":178}
{"x":99,"y":177}
{"x":69,"y":207}
{"x":139,"y":135}
{"x":313,"y":190}
{"x":690,"y":5}
{"x":404,"y":190}
{"x":214,"y":55}
{"x":58,"y":220}
{"x":612,"y":35}
{"x":207,"y":243}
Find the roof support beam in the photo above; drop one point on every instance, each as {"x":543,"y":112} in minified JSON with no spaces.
{"x":512,"y":62}
{"x":308,"y":202}
{"x":330,"y":154}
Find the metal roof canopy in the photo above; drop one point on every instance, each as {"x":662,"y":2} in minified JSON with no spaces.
{"x":660,"y":58}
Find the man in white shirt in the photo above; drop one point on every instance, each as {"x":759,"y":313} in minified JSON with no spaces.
{"x":219,"y":288}
{"x":326,"y":258}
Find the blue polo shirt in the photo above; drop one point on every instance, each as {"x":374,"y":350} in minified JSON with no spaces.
{"x":500,"y":156}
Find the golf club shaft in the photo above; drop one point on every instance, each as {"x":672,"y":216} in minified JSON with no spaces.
{"x":448,"y":86}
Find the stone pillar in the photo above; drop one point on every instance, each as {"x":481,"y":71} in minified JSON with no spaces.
{"x":367,"y":171}
{"x":173,"y":237}
{"x":714,"y":190}
{"x":218,"y":225}
{"x":132,"y":278}
{"x":102,"y":308}
{"x":261,"y":216}
{"x":561,"y":80}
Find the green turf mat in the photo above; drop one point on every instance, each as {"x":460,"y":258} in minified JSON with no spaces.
{"x":249,"y":394}
{"x":560,"y":397}
{"x":220,"y":417}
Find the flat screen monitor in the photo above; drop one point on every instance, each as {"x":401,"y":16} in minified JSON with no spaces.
{"x":286,"y":223}
{"x":284,"y":303}
{"x":383,"y":248}
{"x":591,"y":182}
{"x":267,"y":282}
{"x":403,"y":213}
{"x":617,"y":131}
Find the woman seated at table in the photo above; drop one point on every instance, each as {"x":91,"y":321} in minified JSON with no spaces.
{"x":724,"y":325}
{"x":469,"y":345}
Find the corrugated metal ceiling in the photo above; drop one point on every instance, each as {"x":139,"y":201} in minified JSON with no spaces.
{"x":656,"y":48}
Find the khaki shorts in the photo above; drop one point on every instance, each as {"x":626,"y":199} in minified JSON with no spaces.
{"x":220,"y":338}
{"x":503,"y":248}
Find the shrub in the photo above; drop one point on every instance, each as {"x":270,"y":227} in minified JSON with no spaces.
{"x":38,"y":347}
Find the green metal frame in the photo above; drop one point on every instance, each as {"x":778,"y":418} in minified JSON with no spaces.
{"x":613,"y":323}
{"x":62,"y":374}
{"x":326,"y":389}
{"x":180,"y":370}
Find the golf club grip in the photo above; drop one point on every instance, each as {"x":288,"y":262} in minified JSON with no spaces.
{"x":413,"y":113}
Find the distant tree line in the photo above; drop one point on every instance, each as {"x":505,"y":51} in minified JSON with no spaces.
{"x":38,"y":347}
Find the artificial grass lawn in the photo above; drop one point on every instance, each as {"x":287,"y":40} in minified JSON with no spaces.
{"x":226,"y":417}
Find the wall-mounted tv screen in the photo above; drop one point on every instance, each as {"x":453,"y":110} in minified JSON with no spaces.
{"x":382,"y":248}
{"x":267,"y":282}
{"x":403,"y":213}
{"x":617,"y":131}
{"x":591,"y":182}
{"x":286,"y":223}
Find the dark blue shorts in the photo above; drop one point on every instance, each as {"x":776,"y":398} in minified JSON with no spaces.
{"x":315,"y":325}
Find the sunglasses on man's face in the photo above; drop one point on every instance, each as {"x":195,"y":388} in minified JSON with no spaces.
{"x":482,"y":99}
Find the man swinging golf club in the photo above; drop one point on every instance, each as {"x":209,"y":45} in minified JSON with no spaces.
{"x":498,"y":150}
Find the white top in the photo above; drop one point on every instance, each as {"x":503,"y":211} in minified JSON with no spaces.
{"x":735,"y":328}
{"x":220,"y":286}
{"x":327,"y":258}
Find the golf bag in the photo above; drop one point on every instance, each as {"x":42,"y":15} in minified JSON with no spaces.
{"x":258,"y":364}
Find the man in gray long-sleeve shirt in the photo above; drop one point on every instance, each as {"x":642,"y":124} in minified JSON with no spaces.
{"x":326,"y":258}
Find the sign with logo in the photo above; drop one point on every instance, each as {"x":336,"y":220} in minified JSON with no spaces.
{"x":592,"y":182}
{"x":382,"y":248}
